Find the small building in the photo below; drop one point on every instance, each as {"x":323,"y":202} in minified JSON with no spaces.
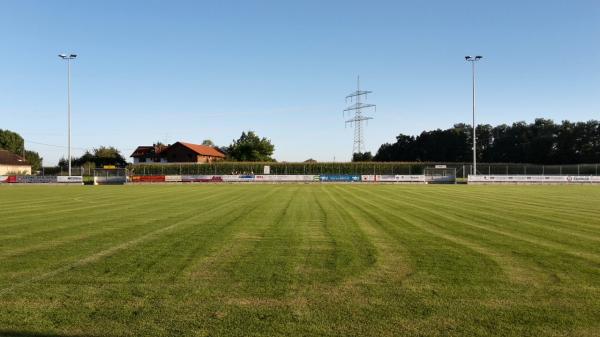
{"x":181,"y":152}
{"x":11,"y":163}
{"x":149,"y":154}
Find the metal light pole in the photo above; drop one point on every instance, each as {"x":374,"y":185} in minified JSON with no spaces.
{"x":474,"y":59}
{"x":68,"y":58}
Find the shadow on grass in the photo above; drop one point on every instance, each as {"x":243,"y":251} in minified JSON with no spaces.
{"x":16,"y":333}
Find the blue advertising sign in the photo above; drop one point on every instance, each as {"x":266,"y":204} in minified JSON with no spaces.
{"x":340,"y":177}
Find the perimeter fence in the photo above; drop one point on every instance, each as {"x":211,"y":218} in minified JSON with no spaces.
{"x":383,"y":168}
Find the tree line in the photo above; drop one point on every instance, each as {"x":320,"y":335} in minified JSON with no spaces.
{"x":540,"y":142}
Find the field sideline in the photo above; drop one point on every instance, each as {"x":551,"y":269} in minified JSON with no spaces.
{"x":299,"y":260}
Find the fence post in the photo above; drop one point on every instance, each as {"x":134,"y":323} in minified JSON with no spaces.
{"x":543,"y":169}
{"x":578,"y":169}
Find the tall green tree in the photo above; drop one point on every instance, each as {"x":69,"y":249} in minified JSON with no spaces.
{"x":98,"y":157}
{"x":11,"y":141}
{"x":362,"y":156}
{"x":34,"y":160}
{"x":250,"y":147}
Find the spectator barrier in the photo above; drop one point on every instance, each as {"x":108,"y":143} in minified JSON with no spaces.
{"x":339,"y":178}
{"x":532,"y":179}
{"x":78,"y":180}
{"x":417,"y":179}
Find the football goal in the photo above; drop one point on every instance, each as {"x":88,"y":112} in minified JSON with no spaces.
{"x":440,"y":175}
{"x":110,"y":176}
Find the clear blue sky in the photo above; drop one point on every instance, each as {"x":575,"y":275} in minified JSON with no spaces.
{"x":179,"y":70}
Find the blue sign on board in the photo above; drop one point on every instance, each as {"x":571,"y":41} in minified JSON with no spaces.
{"x":339,"y":177}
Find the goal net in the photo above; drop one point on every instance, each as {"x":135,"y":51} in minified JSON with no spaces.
{"x":440,"y":175}
{"x":110,"y":176}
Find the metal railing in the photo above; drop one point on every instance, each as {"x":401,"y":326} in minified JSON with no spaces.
{"x":462,"y":169}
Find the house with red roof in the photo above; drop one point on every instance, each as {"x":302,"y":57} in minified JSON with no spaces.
{"x":149,"y":154}
{"x":179,"y":152}
{"x":11,"y":163}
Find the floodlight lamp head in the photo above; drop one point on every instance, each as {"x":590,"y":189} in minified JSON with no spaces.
{"x":467,"y":58}
{"x":67,"y":57}
{"x":478,"y":57}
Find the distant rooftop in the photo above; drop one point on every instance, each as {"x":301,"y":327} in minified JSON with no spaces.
{"x":9,"y":158}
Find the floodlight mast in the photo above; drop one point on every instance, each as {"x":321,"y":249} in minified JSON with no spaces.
{"x":474,"y":59}
{"x":358,"y":118}
{"x":68,"y":58}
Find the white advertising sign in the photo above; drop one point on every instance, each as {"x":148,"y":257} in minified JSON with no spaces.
{"x":286,"y":178}
{"x":173,"y":179}
{"x":237,"y":178}
{"x":394,"y":178}
{"x":534,"y":179}
{"x":69,"y":179}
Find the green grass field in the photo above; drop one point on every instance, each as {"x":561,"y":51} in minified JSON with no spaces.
{"x":299,"y":260}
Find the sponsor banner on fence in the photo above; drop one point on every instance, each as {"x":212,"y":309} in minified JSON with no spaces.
{"x":339,"y":177}
{"x":36,"y":179}
{"x":286,"y":178}
{"x":537,"y":179}
{"x":394,"y":178}
{"x":237,"y":178}
{"x":148,"y":179}
{"x":173,"y":179}
{"x":70,"y":180}
{"x":201,"y":179}
{"x":4,"y":179}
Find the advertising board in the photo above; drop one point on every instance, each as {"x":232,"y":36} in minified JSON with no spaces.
{"x":282,"y":178}
{"x":78,"y":180}
{"x":148,"y":179}
{"x":533,"y":179}
{"x":36,"y":179}
{"x":201,"y":179}
{"x":339,"y":178}
{"x":238,"y":178}
{"x":394,"y":178}
{"x":8,"y":179}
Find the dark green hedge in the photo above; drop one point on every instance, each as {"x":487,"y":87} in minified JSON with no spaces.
{"x":279,"y":168}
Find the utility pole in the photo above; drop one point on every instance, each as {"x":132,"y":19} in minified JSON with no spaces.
{"x":474,"y":59}
{"x":358,"y":118}
{"x":68,"y":58}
